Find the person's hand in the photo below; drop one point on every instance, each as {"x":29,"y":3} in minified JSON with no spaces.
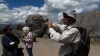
{"x":23,"y":39}
{"x":49,"y":25}
{"x":12,"y":43}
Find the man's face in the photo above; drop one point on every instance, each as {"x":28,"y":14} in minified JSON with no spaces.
{"x":68,"y":21}
{"x":9,"y":31}
{"x":65,"y":20}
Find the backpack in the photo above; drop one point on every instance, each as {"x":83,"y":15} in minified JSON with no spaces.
{"x":84,"y":44}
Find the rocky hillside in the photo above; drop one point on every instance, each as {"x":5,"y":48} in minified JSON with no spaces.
{"x":91,"y":21}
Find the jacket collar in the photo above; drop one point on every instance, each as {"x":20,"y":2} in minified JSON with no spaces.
{"x":70,"y":26}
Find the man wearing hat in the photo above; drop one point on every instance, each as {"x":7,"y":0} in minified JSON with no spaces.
{"x":69,"y":34}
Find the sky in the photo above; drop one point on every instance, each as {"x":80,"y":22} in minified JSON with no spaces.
{"x":16,"y":11}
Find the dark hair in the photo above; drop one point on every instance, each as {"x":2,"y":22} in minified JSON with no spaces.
{"x":65,"y":15}
{"x":7,"y":27}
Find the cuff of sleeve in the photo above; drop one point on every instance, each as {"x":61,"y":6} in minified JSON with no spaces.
{"x":51,"y":30}
{"x":11,"y":43}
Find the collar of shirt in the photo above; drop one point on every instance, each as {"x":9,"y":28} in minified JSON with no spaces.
{"x":70,"y":26}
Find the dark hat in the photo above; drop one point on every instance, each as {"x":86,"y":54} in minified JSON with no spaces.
{"x":7,"y":27}
{"x":71,"y":14}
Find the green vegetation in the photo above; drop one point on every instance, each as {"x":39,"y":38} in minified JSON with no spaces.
{"x":95,"y":43}
{"x":1,"y":32}
{"x":1,"y":35}
{"x":19,"y":27}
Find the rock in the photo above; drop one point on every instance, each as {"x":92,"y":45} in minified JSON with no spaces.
{"x":46,"y":36}
{"x":79,"y":19}
{"x":17,"y":33}
{"x":97,"y":26}
{"x":36,"y":24}
{"x":91,"y":21}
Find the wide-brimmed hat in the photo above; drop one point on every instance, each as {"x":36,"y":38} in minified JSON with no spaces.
{"x":71,"y":14}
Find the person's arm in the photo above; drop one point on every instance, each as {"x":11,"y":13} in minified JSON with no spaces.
{"x":6,"y":42}
{"x":66,"y":37}
{"x":17,"y":41}
{"x":30,"y":38}
{"x":56,"y":25}
{"x":61,"y":27}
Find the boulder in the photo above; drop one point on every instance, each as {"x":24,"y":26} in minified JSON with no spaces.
{"x":17,"y":33}
{"x":36,"y":24}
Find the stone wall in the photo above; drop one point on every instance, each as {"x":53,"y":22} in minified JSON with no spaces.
{"x":91,"y":21}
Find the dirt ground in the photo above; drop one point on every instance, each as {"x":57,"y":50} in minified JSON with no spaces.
{"x":47,"y":47}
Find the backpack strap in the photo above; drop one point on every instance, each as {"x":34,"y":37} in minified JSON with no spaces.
{"x":73,"y":50}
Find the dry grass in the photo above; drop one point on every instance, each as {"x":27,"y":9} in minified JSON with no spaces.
{"x":1,"y":35}
{"x":95,"y":43}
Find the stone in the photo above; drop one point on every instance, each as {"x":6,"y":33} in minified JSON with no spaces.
{"x":91,"y":21}
{"x":17,"y":33}
{"x":36,"y":24}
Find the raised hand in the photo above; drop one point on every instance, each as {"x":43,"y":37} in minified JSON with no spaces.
{"x":49,"y":24}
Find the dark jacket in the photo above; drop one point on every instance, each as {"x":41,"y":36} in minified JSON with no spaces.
{"x":6,"y":40}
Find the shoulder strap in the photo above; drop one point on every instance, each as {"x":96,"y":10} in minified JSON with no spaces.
{"x":73,"y":50}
